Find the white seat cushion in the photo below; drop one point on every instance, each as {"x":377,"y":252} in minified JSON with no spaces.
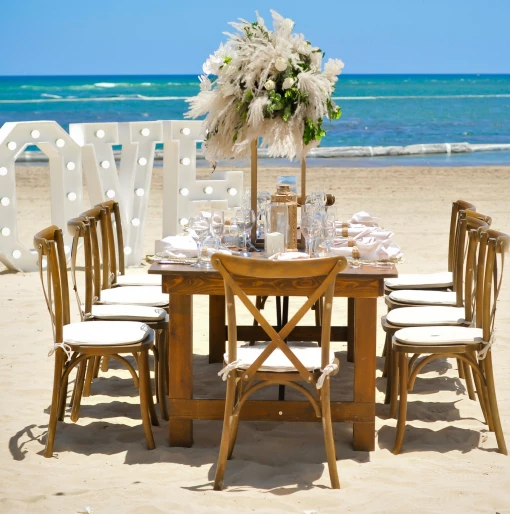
{"x":139,"y":279}
{"x":128,"y":312}
{"x":134,"y":295}
{"x":420,"y":281}
{"x":418,"y":297}
{"x":310,"y":356}
{"x":105,"y":333}
{"x":421,"y":316}
{"x":439,"y":335}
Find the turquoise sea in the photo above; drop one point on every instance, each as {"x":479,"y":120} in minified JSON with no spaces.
{"x":378,"y":110}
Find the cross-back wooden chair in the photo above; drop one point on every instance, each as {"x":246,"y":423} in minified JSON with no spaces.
{"x":458,"y":314}
{"x":76,"y":343}
{"x":473,"y":345}
{"x":251,"y":368}
{"x":419,"y":297}
{"x":118,"y":276}
{"x":85,"y":230}
{"x":441,"y":280}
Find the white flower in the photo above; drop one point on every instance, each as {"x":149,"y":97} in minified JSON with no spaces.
{"x":215,"y":61}
{"x":269,"y":85}
{"x":333,"y":68}
{"x":304,"y":48}
{"x":205,"y":83}
{"x":288,"y":83}
{"x":280,"y":64}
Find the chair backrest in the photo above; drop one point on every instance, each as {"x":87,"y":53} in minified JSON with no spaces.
{"x":491,"y":261}
{"x":465,"y":224}
{"x":457,"y":207}
{"x":115,"y":237}
{"x":81,"y":228}
{"x":101,"y":245}
{"x":235,"y":269}
{"x":49,"y":244}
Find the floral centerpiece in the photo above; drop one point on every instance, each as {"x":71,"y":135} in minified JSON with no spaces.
{"x":267,"y":84}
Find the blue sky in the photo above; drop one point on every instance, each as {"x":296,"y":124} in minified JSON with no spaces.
{"x":67,"y":37}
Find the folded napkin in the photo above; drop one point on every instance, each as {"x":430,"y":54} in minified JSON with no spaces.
{"x":289,"y":256}
{"x":177,"y":246}
{"x":364,"y":218}
{"x":370,"y":249}
{"x":357,"y":231}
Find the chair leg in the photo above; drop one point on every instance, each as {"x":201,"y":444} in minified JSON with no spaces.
{"x":394,"y":383}
{"x":460,"y":367}
{"x":89,"y":376}
{"x":97,"y":363}
{"x":329,"y":439}
{"x":104,"y":364}
{"x":387,"y":353}
{"x":225,"y":435}
{"x":78,"y":390}
{"x":145,"y":398}
{"x":62,"y":399}
{"x":468,"y":377}
{"x":54,"y":407}
{"x":402,"y":410}
{"x":489,"y":374}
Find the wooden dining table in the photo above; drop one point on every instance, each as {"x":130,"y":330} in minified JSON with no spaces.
{"x":361,"y":286}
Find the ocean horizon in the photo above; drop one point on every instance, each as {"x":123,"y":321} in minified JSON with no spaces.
{"x":390,"y":110}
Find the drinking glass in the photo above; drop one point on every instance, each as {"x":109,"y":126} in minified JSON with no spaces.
{"x":263,"y":198}
{"x":311,"y":229}
{"x":209,"y":246}
{"x":245,"y":219}
{"x":198,"y":229}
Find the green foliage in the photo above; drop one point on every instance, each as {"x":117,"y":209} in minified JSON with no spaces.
{"x":313,"y":131}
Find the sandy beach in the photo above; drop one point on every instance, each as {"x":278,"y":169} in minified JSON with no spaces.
{"x":449,"y":461}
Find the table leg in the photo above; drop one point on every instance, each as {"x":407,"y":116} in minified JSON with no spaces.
{"x":365,"y":323}
{"x":180,"y":357}
{"x":216,"y":328}
{"x":350,"y":329}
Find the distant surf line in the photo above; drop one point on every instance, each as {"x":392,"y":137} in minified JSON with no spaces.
{"x":184,"y":98}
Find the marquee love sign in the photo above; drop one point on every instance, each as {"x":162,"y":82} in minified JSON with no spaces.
{"x":88,"y":149}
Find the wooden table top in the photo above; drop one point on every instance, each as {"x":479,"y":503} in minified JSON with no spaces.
{"x":370,"y":272}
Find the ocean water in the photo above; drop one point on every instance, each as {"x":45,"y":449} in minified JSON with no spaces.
{"x":378,"y":110}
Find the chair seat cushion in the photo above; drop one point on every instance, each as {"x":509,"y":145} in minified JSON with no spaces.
{"x":128,"y":312}
{"x":419,"y":297}
{"x":105,"y":333}
{"x":439,"y":335}
{"x":134,"y":295}
{"x":310,"y":357}
{"x":139,"y":279}
{"x":420,"y":281}
{"x":420,"y":316}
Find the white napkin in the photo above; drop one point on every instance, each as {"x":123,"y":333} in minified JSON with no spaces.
{"x":364,"y":218}
{"x":360,"y":231}
{"x":289,"y":256}
{"x":371,"y":249}
{"x":177,"y":246}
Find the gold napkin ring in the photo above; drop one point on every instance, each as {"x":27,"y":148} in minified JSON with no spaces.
{"x":350,"y":241}
{"x":345,"y":232}
{"x":345,"y":224}
{"x":355,"y":252}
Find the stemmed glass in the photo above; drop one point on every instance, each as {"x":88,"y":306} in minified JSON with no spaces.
{"x":311,"y":224}
{"x":198,"y":229}
{"x":263,"y":198}
{"x":245,"y":219}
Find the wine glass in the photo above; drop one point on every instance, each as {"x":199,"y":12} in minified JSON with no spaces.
{"x":198,"y":229}
{"x":245,"y":219}
{"x":311,"y":228}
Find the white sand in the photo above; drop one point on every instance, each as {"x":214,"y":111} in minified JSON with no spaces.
{"x":449,"y":462}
